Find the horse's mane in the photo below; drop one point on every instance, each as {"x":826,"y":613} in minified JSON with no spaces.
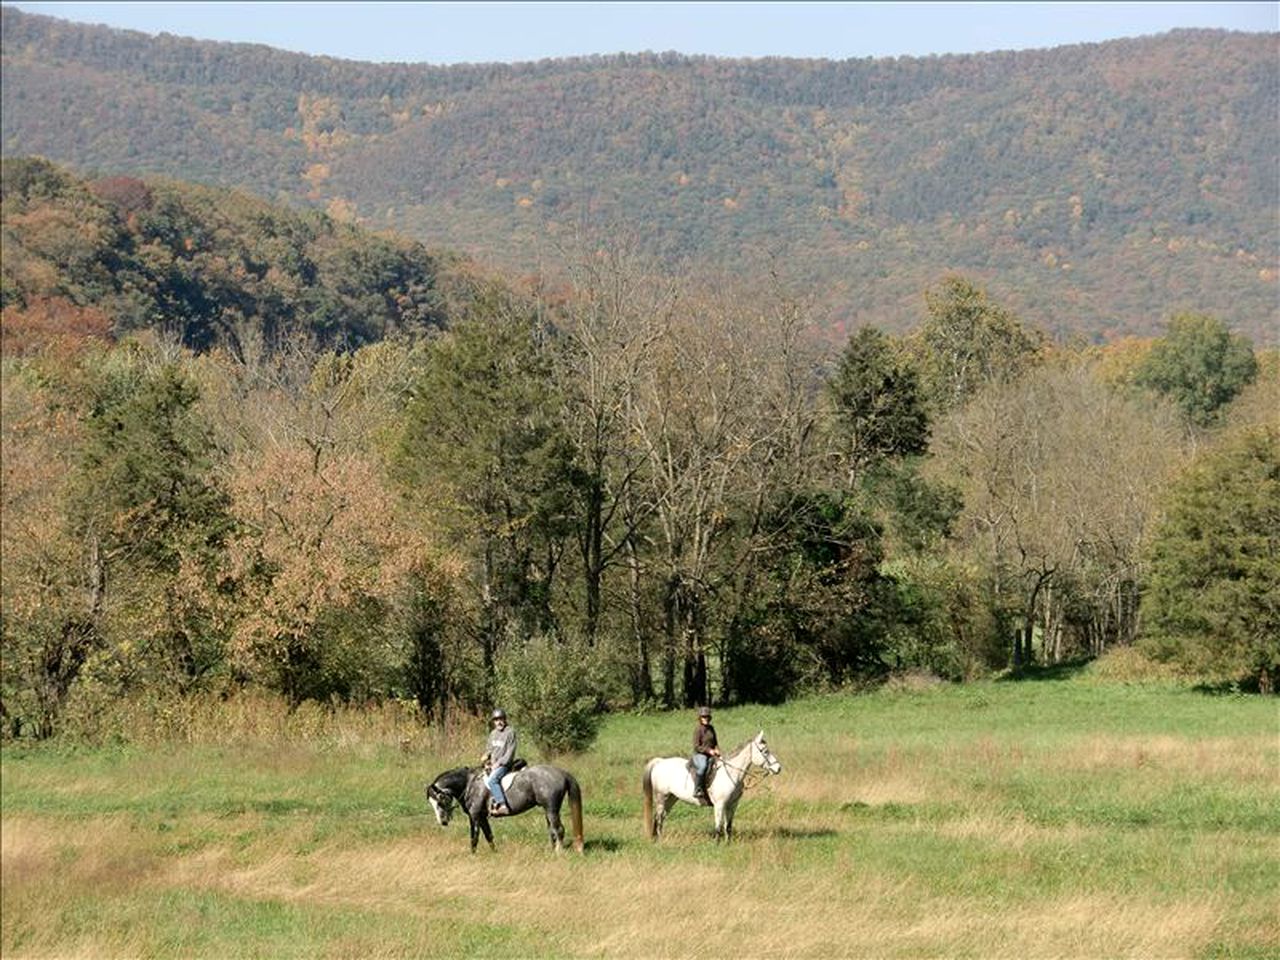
{"x":456,"y":776}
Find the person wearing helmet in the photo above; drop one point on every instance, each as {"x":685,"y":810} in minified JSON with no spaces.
{"x":705,"y":748}
{"x":500,"y":750}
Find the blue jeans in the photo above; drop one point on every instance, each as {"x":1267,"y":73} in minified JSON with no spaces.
{"x":700,"y":761}
{"x":494,"y":782}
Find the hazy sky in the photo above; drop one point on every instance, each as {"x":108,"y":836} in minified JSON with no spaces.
{"x":488,"y":32}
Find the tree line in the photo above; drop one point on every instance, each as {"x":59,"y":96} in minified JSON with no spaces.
{"x":625,"y":489}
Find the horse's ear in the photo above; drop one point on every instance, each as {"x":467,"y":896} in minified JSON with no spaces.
{"x":760,"y":735}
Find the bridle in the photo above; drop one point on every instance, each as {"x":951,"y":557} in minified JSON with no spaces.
{"x":443,"y":798}
{"x":745,"y":770}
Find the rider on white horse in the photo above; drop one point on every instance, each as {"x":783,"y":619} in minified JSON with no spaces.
{"x":705,"y":748}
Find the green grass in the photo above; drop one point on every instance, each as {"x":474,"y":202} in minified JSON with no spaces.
{"x":1067,"y":818}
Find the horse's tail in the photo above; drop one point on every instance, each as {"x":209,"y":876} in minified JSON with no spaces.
{"x":575,"y":812}
{"x":648,"y":799}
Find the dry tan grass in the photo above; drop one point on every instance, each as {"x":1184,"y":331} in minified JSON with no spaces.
{"x":745,"y":903}
{"x":812,"y":876}
{"x":1011,"y":832}
{"x":1255,"y":761}
{"x":896,"y":776}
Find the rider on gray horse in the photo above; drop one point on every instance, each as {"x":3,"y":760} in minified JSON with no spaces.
{"x":499,"y":752}
{"x":704,"y":749}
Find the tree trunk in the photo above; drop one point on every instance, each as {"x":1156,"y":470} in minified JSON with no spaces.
{"x":642,"y":682}
{"x":593,"y":556}
{"x":695,"y":659}
{"x":1029,"y":617}
{"x":488,"y":620}
{"x":671,"y":627}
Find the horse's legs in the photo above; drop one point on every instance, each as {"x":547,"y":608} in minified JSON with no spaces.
{"x":720,"y":822}
{"x":731,"y":809}
{"x":554,"y":827}
{"x":479,"y":822}
{"x":665,"y":802}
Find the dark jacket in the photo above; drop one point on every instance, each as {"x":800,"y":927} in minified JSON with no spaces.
{"x":704,"y":739}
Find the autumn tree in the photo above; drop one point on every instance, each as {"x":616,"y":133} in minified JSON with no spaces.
{"x":56,"y":322}
{"x":51,"y":583}
{"x":119,"y":584}
{"x":151,"y":505}
{"x":322,"y":565}
{"x":338,"y":592}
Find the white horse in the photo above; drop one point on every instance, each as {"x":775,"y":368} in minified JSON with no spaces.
{"x":669,"y":779}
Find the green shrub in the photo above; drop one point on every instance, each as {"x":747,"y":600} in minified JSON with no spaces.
{"x":551,"y":689}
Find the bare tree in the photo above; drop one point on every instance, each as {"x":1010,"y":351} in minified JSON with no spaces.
{"x":616,"y":309}
{"x":722,"y":413}
{"x":1058,"y":473}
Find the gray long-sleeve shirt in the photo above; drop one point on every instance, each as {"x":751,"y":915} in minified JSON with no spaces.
{"x":502,"y":747}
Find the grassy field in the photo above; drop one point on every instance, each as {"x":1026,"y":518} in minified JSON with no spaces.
{"x":1053,"y":818}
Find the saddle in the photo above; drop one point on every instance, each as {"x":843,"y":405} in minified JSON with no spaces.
{"x":517,"y":765}
{"x":711,"y":772}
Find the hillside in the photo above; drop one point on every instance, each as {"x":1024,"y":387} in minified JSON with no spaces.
{"x":1095,"y":189}
{"x":207,"y":263}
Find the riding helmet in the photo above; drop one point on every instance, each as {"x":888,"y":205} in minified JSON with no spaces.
{"x":704,"y":711}
{"x":498,"y":714}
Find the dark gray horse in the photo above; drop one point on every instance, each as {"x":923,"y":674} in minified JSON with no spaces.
{"x":541,"y":786}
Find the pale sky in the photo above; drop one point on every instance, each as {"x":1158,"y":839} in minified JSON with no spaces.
{"x":511,"y":32}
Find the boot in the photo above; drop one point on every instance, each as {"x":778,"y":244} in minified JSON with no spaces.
{"x":500,"y":810}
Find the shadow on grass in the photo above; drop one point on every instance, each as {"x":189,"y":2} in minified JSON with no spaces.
{"x":1230,"y":688}
{"x":800,"y":833}
{"x":1049,"y":672}
{"x":881,"y":811}
{"x":600,"y":845}
{"x":746,"y":834}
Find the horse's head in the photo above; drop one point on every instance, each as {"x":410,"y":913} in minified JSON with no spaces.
{"x":762,"y":756}
{"x":441,"y":804}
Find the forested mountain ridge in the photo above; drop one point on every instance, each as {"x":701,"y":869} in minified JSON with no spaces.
{"x":1096,"y":189}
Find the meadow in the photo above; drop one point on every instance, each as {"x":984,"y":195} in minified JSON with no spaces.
{"x":1064,"y":817}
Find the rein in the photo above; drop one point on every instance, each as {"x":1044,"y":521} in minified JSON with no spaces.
{"x":745,"y":770}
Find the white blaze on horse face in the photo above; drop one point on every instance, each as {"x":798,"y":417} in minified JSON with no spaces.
{"x":441,"y":811}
